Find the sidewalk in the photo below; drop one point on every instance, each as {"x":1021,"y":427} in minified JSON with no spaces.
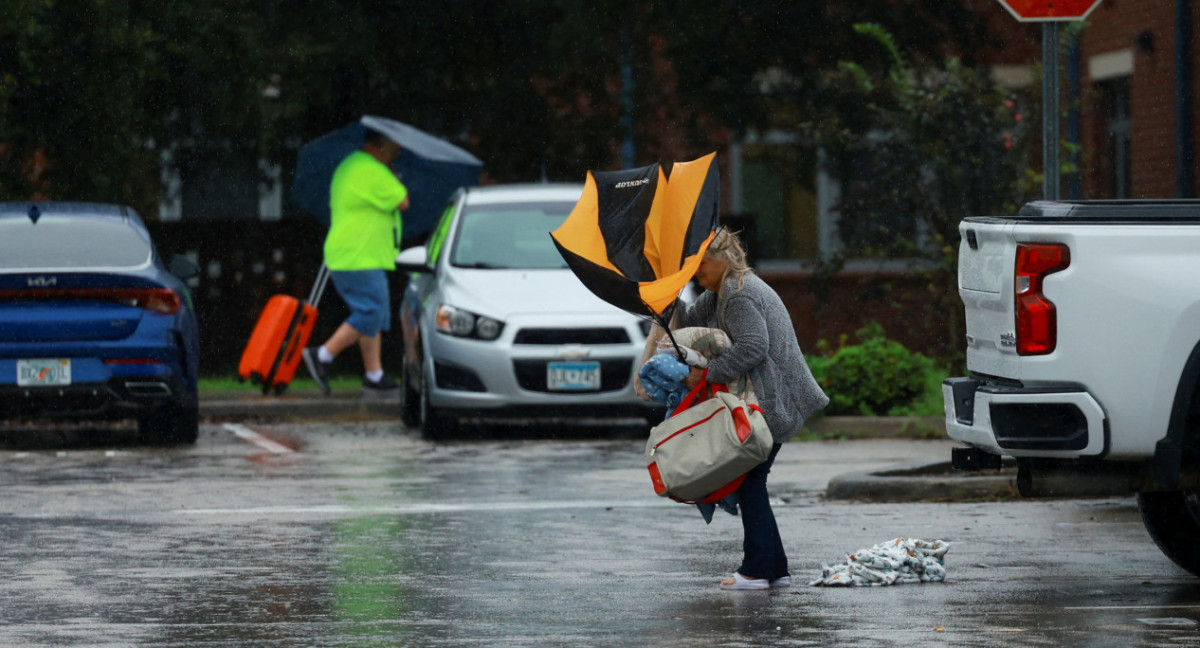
{"x":902,"y":458}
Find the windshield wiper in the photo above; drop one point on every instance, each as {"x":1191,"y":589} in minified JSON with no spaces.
{"x":483,"y":265}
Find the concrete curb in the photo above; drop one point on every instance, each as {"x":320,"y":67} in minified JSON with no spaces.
{"x":295,"y":409}
{"x":936,"y":481}
{"x":314,"y":405}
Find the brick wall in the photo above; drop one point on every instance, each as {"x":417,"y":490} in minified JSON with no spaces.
{"x":920,"y":312}
{"x":1147,"y":27}
{"x":1124,"y":24}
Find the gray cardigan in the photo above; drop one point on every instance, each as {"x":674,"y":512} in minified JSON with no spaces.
{"x":764,"y":347}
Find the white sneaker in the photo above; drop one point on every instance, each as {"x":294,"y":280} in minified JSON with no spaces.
{"x":782,"y":581}
{"x":742,"y":583}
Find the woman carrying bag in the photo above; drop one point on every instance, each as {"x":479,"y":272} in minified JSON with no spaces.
{"x":764,"y":349}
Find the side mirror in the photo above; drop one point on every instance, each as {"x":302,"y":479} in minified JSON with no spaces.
{"x":413,"y":260}
{"x":183,"y":267}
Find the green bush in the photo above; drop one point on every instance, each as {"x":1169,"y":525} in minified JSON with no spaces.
{"x":878,"y":376}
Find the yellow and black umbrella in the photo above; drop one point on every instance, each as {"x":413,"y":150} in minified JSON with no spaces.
{"x":636,"y":237}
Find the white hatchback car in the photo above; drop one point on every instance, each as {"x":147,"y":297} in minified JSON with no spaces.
{"x":496,"y":327}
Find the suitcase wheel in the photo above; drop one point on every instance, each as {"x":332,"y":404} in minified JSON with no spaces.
{"x":279,"y":389}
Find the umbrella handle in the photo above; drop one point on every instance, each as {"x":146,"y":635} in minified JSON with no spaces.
{"x":663,"y":321}
{"x":678,"y":352}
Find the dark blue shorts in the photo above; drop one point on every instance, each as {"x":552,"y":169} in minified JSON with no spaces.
{"x":366,"y":293}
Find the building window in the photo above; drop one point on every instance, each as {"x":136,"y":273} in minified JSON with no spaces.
{"x":1114,"y":94}
{"x":775,"y":201}
{"x":791,"y":207}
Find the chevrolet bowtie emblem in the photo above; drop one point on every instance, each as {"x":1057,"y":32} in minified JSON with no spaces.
{"x":573,"y":352}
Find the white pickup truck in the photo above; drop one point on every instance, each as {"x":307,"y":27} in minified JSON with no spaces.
{"x":1083,"y":349}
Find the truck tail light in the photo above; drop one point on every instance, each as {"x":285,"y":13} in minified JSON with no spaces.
{"x":1037,"y":324}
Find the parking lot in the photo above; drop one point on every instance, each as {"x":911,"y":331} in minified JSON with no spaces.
{"x":361,"y":533}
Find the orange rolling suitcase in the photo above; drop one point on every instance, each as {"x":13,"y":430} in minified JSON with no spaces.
{"x":284,"y":328}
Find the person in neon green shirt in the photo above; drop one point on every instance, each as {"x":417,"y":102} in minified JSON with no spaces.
{"x":365,"y":201}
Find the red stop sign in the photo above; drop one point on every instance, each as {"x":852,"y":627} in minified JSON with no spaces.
{"x":1041,"y":10}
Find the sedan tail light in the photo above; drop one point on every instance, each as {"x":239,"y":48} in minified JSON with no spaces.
{"x":1037,"y":322}
{"x":158,"y":300}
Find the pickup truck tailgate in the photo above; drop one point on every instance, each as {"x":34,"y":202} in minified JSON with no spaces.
{"x":985,"y":277}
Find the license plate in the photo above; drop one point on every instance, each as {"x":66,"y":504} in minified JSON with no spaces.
{"x":38,"y":373}
{"x":573,"y":376}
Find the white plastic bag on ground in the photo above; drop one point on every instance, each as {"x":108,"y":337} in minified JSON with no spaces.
{"x":895,"y":562}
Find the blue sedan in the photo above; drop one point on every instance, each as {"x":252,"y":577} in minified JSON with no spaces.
{"x":93,"y":324}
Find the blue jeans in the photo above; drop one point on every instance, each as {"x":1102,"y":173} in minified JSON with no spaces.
{"x":761,"y":544}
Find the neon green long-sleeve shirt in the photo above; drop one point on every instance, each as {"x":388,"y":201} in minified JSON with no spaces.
{"x":365,"y":225}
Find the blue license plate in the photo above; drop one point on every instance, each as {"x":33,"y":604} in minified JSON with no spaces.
{"x":573,"y":376}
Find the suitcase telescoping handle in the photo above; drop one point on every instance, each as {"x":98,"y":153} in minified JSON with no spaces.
{"x":318,"y":288}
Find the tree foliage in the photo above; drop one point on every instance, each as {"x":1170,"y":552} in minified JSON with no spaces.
{"x":918,"y":149}
{"x":97,"y":96}
{"x":761,"y":64}
{"x":930,"y":145}
{"x":100,"y":91}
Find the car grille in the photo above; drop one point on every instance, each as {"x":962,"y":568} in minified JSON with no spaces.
{"x":571,"y":336}
{"x":614,"y":375}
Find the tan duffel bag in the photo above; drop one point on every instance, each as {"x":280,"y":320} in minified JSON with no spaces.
{"x":702,"y":453}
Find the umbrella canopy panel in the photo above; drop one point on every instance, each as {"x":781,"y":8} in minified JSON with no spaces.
{"x":636,"y":237}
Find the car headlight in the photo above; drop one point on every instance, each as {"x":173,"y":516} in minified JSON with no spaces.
{"x":461,"y":323}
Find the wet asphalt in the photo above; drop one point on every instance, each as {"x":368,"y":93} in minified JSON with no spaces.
{"x":360,"y":533}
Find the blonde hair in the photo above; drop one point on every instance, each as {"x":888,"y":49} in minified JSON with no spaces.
{"x":727,"y":247}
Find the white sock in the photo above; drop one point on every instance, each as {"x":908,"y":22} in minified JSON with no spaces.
{"x":375,"y":376}
{"x":324,"y":355}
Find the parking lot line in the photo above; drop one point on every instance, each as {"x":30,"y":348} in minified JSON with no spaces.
{"x":250,"y":436}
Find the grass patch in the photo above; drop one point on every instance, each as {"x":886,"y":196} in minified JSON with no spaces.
{"x":215,"y":385}
{"x":836,"y":428}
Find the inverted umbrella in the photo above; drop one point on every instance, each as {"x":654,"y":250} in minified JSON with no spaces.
{"x":431,"y":168}
{"x":636,"y":237}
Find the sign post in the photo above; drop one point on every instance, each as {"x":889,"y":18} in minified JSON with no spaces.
{"x":1051,"y":169}
{"x":1050,"y":13}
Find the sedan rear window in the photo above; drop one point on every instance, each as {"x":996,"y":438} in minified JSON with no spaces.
{"x":70,"y":242}
{"x":510,"y":236}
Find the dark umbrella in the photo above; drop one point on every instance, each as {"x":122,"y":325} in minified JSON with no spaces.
{"x":636,"y":237}
{"x":431,"y":168}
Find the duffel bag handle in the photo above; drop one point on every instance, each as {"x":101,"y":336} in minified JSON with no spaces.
{"x":697,"y":393}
